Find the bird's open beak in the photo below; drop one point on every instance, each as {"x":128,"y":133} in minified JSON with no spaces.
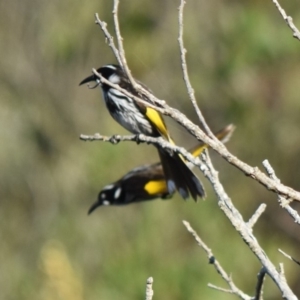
{"x":89,"y":79}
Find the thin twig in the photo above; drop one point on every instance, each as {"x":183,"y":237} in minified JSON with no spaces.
{"x":221,"y":289}
{"x":123,"y":62}
{"x":108,"y":37}
{"x":288,"y":20}
{"x":284,"y":203}
{"x":281,"y":270}
{"x":256,"y":215}
{"x":289,"y":257}
{"x":260,"y":282}
{"x":141,"y":138}
{"x":149,"y":290}
{"x":189,"y":87}
{"x":218,"y":267}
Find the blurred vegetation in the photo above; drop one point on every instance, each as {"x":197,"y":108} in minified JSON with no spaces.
{"x":244,"y":65}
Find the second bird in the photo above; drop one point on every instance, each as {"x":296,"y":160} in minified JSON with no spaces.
{"x":141,"y":119}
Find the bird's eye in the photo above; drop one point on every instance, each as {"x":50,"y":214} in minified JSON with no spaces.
{"x":103,"y":196}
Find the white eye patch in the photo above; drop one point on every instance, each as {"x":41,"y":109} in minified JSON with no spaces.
{"x":117,"y":193}
{"x":114,"y":78}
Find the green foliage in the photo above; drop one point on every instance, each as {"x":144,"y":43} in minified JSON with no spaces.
{"x":244,"y":66}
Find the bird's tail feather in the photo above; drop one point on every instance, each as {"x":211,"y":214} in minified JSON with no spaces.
{"x":179,"y":177}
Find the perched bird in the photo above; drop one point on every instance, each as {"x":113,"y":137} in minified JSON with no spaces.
{"x":146,"y":182}
{"x":141,"y":119}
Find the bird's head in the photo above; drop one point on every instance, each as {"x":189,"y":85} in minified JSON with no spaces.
{"x":109,"y":195}
{"x":111,"y":72}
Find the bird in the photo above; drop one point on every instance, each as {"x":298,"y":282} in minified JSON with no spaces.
{"x":138,"y":118}
{"x":146,"y":182}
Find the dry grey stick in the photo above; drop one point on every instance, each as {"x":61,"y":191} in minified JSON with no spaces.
{"x":281,"y":270}
{"x":120,"y":45}
{"x":256,"y":215}
{"x":288,"y":20}
{"x":220,"y":289}
{"x":218,"y":267}
{"x":141,"y":138}
{"x":108,"y":37}
{"x":289,"y":257}
{"x":118,"y":34}
{"x":245,"y":231}
{"x":186,"y":78}
{"x":118,"y":53}
{"x":284,"y":203}
{"x":149,"y":290}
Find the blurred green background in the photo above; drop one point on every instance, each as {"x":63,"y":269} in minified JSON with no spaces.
{"x":244,"y":66}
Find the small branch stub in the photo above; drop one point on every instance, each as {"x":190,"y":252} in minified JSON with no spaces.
{"x":149,"y":290}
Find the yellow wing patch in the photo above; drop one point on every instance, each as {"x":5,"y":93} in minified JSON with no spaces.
{"x":158,"y":121}
{"x":156,"y":187}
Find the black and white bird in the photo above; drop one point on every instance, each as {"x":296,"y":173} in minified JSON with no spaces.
{"x":146,"y":182}
{"x":141,"y":119}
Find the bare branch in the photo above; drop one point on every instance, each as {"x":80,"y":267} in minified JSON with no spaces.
{"x":256,"y":215}
{"x":221,"y":289}
{"x":118,"y":53}
{"x":260,"y":282}
{"x":284,"y":203}
{"x":289,"y":257}
{"x":114,"y":139}
{"x":218,"y":267}
{"x":149,"y":290}
{"x":108,"y":37}
{"x":245,"y":231}
{"x":288,"y":20}
{"x":141,"y":138}
{"x":189,"y":87}
{"x":123,"y":61}
{"x":281,"y":270}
